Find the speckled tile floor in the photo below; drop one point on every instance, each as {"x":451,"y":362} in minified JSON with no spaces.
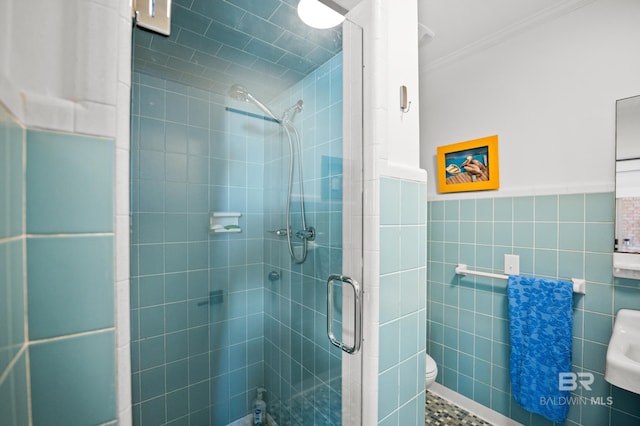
{"x":440,"y":412}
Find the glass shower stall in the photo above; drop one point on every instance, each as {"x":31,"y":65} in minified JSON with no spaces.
{"x":245,"y":168}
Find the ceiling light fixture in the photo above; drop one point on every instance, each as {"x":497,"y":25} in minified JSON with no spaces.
{"x":319,"y":15}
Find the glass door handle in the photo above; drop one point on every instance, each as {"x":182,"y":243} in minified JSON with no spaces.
{"x":357,"y":313}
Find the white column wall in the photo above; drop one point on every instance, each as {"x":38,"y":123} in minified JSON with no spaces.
{"x":391,"y":148}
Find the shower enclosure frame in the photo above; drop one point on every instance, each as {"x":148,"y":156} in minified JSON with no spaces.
{"x":352,"y":214}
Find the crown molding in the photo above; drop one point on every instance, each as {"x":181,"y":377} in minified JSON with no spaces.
{"x":545,"y":15}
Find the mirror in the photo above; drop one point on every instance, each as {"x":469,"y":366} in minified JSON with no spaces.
{"x":626,"y":257}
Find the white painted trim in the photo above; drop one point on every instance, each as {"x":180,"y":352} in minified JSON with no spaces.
{"x":400,"y":171}
{"x":527,"y":191}
{"x":473,"y":407}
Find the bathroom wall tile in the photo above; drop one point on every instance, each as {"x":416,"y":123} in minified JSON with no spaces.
{"x":152,"y":352}
{"x":599,"y":207}
{"x":175,"y":137}
{"x":571,"y":207}
{"x":546,"y":208}
{"x":388,"y":402}
{"x":503,"y":209}
{"x":546,"y":262}
{"x":12,"y":305}
{"x":484,"y":256}
{"x":523,"y":209}
{"x":410,"y":208}
{"x":177,"y":345}
{"x":82,"y":362}
{"x":177,"y":404}
{"x":452,"y":231}
{"x":74,"y":275}
{"x":582,"y":231}
{"x":151,"y":321}
{"x":523,"y":234}
{"x":389,"y":352}
{"x":390,"y":240}
{"x":571,"y":236}
{"x":451,"y":210}
{"x":503,"y":234}
{"x":14,"y":407}
{"x":436,"y":211}
{"x":598,"y":267}
{"x":152,"y":135}
{"x":408,"y":336}
{"x":484,"y":232}
{"x":11,"y":184}
{"x":546,"y":235}
{"x":151,"y":228}
{"x":484,"y":209}
{"x":598,"y":237}
{"x":597,"y":327}
{"x":570,"y":264}
{"x":389,"y":212}
{"x":70,"y":178}
{"x":152,"y":102}
{"x":151,"y":196}
{"x":151,"y":259}
{"x":152,"y":383}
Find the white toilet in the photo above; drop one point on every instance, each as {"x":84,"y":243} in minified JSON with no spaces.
{"x":430,"y":372}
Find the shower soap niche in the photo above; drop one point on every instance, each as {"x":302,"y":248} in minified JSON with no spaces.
{"x":221,"y":222}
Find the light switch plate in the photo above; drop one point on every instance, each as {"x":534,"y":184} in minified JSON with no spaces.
{"x":511,"y":264}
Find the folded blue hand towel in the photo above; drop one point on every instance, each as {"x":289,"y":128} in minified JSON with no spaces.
{"x":541,"y":327}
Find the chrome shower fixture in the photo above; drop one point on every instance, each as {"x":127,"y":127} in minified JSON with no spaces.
{"x":240,"y":93}
{"x":306,"y":234}
{"x":290,"y":112}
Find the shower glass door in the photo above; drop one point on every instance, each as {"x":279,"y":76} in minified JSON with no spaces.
{"x":246,"y":178}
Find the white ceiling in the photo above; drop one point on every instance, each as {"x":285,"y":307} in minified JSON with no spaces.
{"x":463,"y":26}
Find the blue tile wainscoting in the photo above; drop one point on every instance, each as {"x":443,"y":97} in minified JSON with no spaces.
{"x":556,"y":236}
{"x":56,"y":248}
{"x":208,"y":328}
{"x":403,"y":307}
{"x":14,"y":398}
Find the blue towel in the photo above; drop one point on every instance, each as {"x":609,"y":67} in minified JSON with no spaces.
{"x":541,"y":327}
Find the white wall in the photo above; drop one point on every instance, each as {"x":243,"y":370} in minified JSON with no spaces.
{"x":549,"y":93}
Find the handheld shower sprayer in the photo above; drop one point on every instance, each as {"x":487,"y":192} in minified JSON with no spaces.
{"x":306,"y":234}
{"x":290,"y":112}
{"x":240,"y":93}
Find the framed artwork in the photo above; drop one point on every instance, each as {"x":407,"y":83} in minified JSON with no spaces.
{"x":469,"y":166}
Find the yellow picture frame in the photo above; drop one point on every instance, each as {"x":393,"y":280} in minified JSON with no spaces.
{"x":469,"y":166}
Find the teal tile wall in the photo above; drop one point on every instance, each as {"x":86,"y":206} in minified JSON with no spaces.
{"x":206,"y":332}
{"x":71,"y":284}
{"x":302,"y":368}
{"x":403,"y":313}
{"x":71,"y":179}
{"x":13,"y":370}
{"x":556,"y":236}
{"x":81,"y":370}
{"x":197,"y":298}
{"x":62,"y":184}
{"x":84,"y":291}
{"x":14,"y":393}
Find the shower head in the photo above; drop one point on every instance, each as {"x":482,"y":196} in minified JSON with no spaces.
{"x":240,"y":93}
{"x":289,"y":113}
